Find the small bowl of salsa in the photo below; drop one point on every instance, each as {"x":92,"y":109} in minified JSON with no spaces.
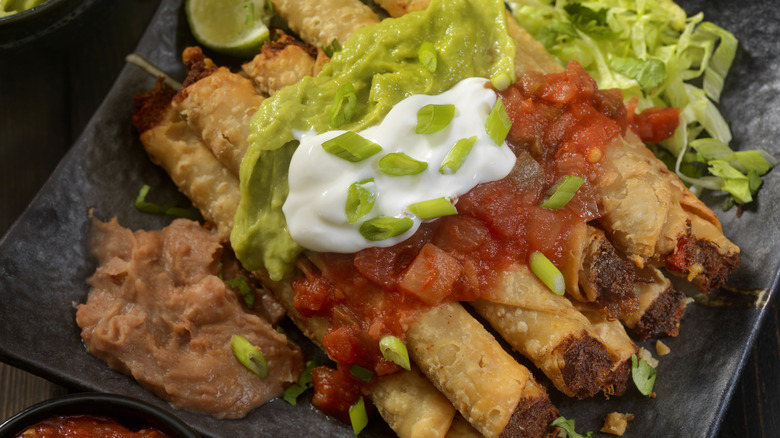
{"x":95,"y":415}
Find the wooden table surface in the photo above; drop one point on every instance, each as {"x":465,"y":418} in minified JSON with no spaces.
{"x":49,"y":91}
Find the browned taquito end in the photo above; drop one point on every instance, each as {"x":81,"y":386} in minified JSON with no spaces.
{"x":319,"y":22}
{"x":618,"y":343}
{"x":193,"y":168}
{"x":497,"y":395}
{"x":549,"y":331}
{"x":282,"y":62}
{"x":601,"y":276}
{"x":661,"y":306}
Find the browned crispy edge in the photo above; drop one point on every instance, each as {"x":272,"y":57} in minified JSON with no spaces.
{"x":717,"y":266}
{"x":662,"y":317}
{"x":613,"y":278}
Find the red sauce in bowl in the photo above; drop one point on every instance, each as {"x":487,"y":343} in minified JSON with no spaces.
{"x":86,"y":426}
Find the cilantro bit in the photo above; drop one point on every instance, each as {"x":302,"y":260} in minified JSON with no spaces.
{"x":643,"y":375}
{"x":144,"y":206}
{"x":304,"y":383}
{"x":568,"y":426}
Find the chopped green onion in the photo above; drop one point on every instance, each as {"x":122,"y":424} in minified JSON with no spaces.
{"x":400,"y":164}
{"x":249,"y":356}
{"x":385,"y":227}
{"x":643,"y":375}
{"x":239,"y":284}
{"x":360,"y":200}
{"x":361,"y":373}
{"x":568,"y":426}
{"x":332,"y":48}
{"x":501,"y":81}
{"x":358,"y":416}
{"x":171,"y":210}
{"x":433,"y":118}
{"x":561,"y":192}
{"x":293,"y":391}
{"x":457,"y":155}
{"x":344,"y":105}
{"x":498,"y":123}
{"x":432,"y":208}
{"x":351,"y":147}
{"x":427,"y":55}
{"x":545,"y":271}
{"x":394,"y":350}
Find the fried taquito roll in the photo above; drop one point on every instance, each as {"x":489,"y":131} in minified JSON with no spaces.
{"x":406,"y":400}
{"x":319,"y":22}
{"x":548,"y":330}
{"x":653,"y":218}
{"x":661,"y":306}
{"x":283,"y":62}
{"x":497,"y":395}
{"x":173,"y":145}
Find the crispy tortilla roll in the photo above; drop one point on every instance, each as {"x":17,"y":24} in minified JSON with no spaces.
{"x":193,"y":168}
{"x":319,"y":22}
{"x":549,"y":331}
{"x":497,"y":395}
{"x":661,"y":306}
{"x":462,"y":429}
{"x":283,"y":62}
{"x":650,"y":215}
{"x":396,"y":8}
{"x":408,"y":402}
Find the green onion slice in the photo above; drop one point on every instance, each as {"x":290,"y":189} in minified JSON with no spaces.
{"x":351,"y":146}
{"x":643,"y":375}
{"x":433,"y":118}
{"x":249,"y":356}
{"x":358,"y":416}
{"x":432,"y":208}
{"x":545,"y":271}
{"x":394,"y":350}
{"x":385,"y":227}
{"x":361,"y":373}
{"x":145,"y":206}
{"x":501,"y":80}
{"x":293,"y":391}
{"x":239,"y":284}
{"x":561,"y":192}
{"x":427,"y":55}
{"x":400,"y":164}
{"x":344,"y":105}
{"x":498,"y":123}
{"x":457,"y":155}
{"x":332,"y":48}
{"x":360,"y":200}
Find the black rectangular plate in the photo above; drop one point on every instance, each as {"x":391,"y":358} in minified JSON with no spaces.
{"x":44,"y":259}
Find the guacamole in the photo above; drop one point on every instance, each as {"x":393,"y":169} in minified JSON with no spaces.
{"x":381,"y":62}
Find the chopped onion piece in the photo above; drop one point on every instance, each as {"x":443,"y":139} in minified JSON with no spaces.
{"x":457,"y":155}
{"x":432,"y":208}
{"x":344,"y":105}
{"x":433,"y":118}
{"x":561,"y":193}
{"x":498,"y":123}
{"x":400,"y":164}
{"x":249,"y":356}
{"x":427,"y":55}
{"x":358,"y":416}
{"x":385,"y":227}
{"x":394,"y":350}
{"x":360,"y":200}
{"x":545,"y":271}
{"x":351,"y":147}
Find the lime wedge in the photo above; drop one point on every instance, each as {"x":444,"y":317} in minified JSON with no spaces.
{"x":234,"y":27}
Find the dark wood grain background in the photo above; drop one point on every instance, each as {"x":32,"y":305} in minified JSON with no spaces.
{"x":50,"y":89}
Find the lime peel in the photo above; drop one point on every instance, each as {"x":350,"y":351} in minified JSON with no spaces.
{"x":233,"y":27}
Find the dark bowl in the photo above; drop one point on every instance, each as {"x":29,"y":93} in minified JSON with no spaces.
{"x":19,"y":29}
{"x":130,"y":412}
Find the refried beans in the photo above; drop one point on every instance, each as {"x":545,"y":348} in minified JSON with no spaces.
{"x":160,"y":311}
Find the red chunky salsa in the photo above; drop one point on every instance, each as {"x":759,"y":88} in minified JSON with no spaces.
{"x":86,"y":426}
{"x":562,"y":124}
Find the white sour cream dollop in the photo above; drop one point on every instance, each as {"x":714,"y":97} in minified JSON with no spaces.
{"x":319,"y":181}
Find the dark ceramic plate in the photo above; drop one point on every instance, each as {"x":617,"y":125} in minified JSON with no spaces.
{"x":44,"y":261}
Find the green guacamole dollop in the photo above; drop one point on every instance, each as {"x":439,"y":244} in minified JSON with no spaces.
{"x":381,"y":62}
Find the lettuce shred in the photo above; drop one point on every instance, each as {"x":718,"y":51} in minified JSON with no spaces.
{"x":657,"y":54}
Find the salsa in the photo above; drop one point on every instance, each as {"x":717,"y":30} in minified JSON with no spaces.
{"x":86,"y":426}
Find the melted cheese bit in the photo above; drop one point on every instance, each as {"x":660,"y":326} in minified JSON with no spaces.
{"x":319,"y":181}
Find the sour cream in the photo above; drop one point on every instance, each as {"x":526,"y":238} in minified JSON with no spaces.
{"x":319,"y":181}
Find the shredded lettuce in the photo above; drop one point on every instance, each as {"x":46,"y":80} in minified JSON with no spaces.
{"x":656,"y":53}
